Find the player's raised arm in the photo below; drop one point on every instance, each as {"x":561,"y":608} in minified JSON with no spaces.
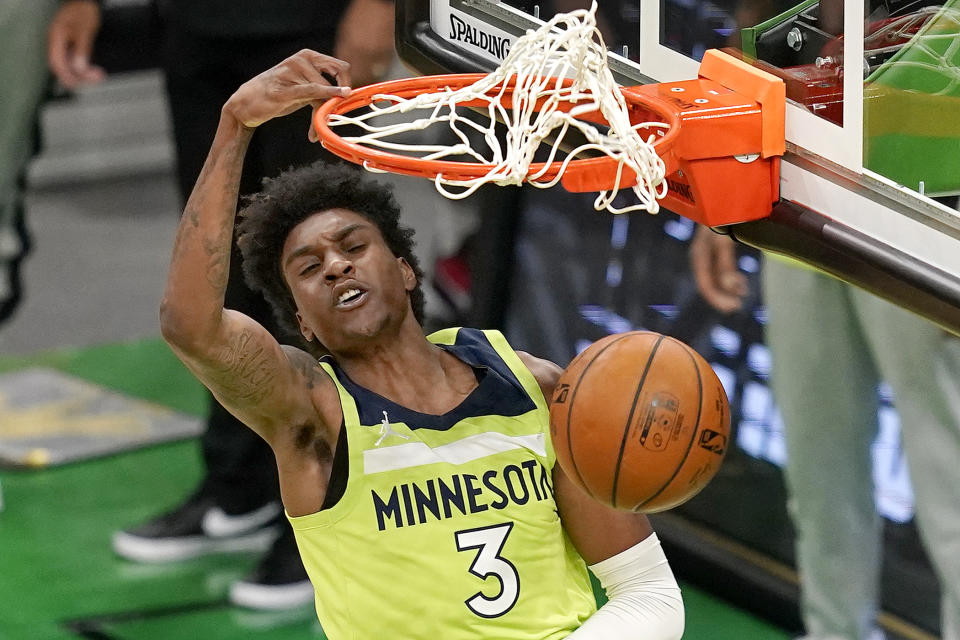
{"x":241,"y":363}
{"x":621,"y":549}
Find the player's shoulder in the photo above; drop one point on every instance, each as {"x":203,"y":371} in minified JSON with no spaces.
{"x":493,"y":345}
{"x":545,"y":372}
{"x":308,"y":366}
{"x":317,"y":382}
{"x":301,"y":360}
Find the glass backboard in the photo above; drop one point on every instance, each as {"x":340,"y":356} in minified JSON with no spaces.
{"x":872,"y":173}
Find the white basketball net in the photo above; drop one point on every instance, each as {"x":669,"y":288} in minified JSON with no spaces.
{"x":569,"y":45}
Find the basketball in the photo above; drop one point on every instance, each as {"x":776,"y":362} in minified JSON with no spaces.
{"x":640,"y":421}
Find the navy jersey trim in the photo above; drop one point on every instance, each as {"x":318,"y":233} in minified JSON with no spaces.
{"x":339,"y":471}
{"x":498,"y":391}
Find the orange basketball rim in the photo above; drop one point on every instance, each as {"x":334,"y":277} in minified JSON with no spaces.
{"x":721,"y":147}
{"x":589,"y":174}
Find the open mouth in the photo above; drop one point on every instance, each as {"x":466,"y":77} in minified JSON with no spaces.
{"x":350,"y":298}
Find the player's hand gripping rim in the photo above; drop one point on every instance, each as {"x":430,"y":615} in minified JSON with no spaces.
{"x":302,"y":79}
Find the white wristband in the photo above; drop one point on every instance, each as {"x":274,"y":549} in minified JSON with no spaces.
{"x":644,"y":598}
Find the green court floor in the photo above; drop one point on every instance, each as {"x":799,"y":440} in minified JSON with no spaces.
{"x":59,"y":579}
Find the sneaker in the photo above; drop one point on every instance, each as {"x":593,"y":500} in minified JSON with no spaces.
{"x":198,"y":527}
{"x":279,"y":582}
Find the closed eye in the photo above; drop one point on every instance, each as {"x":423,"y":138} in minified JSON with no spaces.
{"x":309,"y":268}
{"x":356,"y":248}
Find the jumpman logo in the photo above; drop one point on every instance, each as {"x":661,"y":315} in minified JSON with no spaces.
{"x":386,"y":430}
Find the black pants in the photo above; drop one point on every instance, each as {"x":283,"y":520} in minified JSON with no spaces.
{"x":201,"y":73}
{"x":11,"y":283}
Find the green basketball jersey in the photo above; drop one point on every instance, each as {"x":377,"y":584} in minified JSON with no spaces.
{"x":447,"y":528}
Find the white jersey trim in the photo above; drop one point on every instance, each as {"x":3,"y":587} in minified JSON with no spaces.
{"x":415,"y":454}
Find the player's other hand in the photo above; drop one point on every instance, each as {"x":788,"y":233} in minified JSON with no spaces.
{"x":70,"y":43}
{"x":298,"y":81}
{"x":713,"y":258}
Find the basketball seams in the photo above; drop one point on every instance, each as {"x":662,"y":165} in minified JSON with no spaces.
{"x":633,"y":408}
{"x":603,"y":409}
{"x":573,"y":397}
{"x":696,"y":428}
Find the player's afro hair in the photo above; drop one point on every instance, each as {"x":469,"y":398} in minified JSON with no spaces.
{"x":295,"y":195}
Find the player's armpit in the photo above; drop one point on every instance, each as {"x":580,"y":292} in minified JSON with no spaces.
{"x":261,"y":382}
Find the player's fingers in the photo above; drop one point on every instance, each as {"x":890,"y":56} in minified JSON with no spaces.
{"x":334,"y":67}
{"x":343,"y":77}
{"x":311,"y":131}
{"x":315,"y":92}
{"x":308,"y":72}
{"x":328,"y":64}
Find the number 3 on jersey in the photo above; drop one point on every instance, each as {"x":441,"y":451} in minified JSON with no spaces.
{"x":489,"y":543}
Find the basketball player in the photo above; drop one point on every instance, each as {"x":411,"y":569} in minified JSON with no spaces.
{"x":418,"y":473}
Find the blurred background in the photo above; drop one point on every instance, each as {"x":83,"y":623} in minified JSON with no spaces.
{"x":99,"y":422}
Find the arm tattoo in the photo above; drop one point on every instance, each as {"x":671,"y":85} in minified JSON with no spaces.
{"x":247,"y":371}
{"x":219,"y":245}
{"x":213,"y":229}
{"x":218,"y":263}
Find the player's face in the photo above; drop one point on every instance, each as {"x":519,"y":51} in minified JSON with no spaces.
{"x":348,"y":286}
